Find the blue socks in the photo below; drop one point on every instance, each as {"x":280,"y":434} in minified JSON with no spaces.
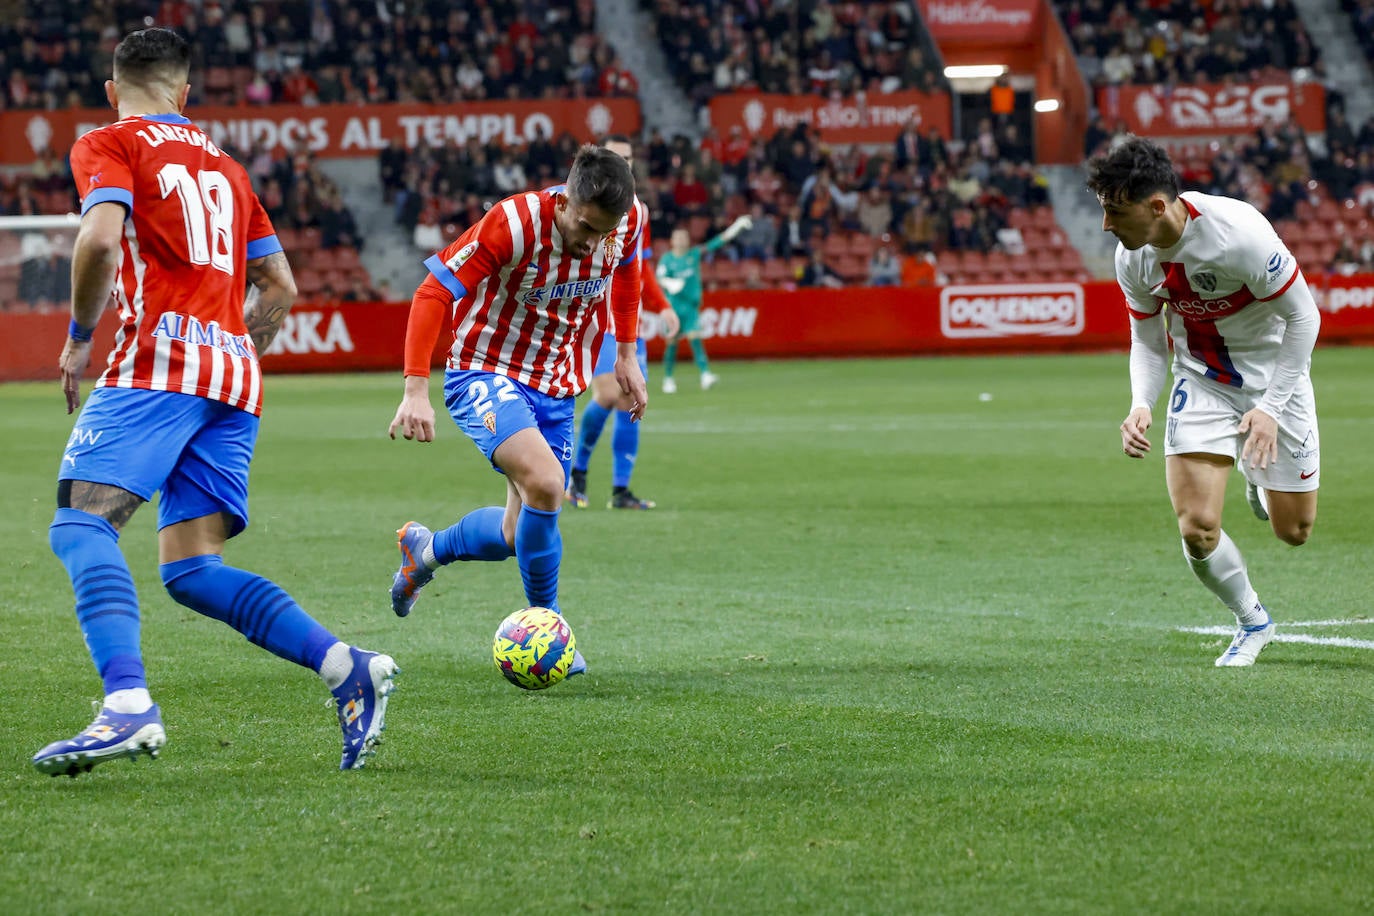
{"x":625,"y":448}
{"x":258,"y":608}
{"x":539,"y":550}
{"x":624,"y":442}
{"x":589,"y":430}
{"x":477,"y":536}
{"x":538,"y":547}
{"x":106,"y":604}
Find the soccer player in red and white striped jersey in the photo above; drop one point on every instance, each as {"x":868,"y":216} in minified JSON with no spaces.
{"x":1211,"y":273}
{"x":523,"y":292}
{"x":171,"y":226}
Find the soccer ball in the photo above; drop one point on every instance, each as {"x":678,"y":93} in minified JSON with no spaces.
{"x":534,"y":648}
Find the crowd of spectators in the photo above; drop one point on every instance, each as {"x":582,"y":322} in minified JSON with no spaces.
{"x":1320,"y":196}
{"x":1361,"y":13}
{"x":1178,"y":41}
{"x":58,"y":54}
{"x":921,"y":198}
{"x":795,"y":48}
{"x":922,"y":194}
{"x":306,"y":206}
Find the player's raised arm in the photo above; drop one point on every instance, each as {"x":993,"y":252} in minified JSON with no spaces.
{"x":271,"y":293}
{"x":726,"y":237}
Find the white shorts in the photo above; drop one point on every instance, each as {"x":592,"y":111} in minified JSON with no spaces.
{"x":1204,"y":417}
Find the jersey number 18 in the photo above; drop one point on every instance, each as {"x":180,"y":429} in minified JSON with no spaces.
{"x":207,"y":208}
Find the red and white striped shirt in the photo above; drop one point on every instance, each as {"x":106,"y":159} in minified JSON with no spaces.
{"x":193,"y":222}
{"x":525,"y":309}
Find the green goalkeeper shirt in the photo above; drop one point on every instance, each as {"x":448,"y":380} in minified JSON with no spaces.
{"x":687,"y":268}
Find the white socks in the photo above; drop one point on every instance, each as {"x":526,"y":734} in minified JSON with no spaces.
{"x":337,"y":664}
{"x":1224,"y":574}
{"x":130,"y":702}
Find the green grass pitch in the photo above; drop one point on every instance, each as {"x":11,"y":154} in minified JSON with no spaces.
{"x":887,"y":646}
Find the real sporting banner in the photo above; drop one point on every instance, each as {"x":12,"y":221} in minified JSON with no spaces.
{"x":1209,"y":109}
{"x":859,"y":321}
{"x":860,"y":118}
{"x":331,"y":131}
{"x":982,"y":22}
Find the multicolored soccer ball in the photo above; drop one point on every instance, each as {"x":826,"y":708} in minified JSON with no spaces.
{"x":534,"y":648}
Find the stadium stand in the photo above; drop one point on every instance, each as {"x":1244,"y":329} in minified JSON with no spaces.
{"x":793,"y":48}
{"x":1177,"y":43}
{"x":974,"y":203}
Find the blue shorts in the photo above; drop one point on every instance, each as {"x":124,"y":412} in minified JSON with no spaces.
{"x":605,"y":357}
{"x":490,"y":408}
{"x":194,"y":450}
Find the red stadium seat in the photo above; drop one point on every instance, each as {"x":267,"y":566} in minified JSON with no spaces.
{"x":219,"y":79}
{"x":863,"y":245}
{"x":777,"y":271}
{"x":728,"y":273}
{"x":851,"y":268}
{"x":836,"y":246}
{"x":698,"y":227}
{"x":346,"y":259}
{"x":309,"y":282}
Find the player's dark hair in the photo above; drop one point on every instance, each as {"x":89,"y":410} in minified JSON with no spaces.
{"x":617,"y":138}
{"x":602,"y":178}
{"x":1132,"y":171}
{"x":152,"y":56}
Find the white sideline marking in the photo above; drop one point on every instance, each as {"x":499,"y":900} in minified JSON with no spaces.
{"x":1356,"y":621}
{"x":1342,"y":641}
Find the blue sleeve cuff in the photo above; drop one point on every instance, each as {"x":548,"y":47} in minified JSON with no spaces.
{"x":261,"y":248}
{"x":445,"y":276}
{"x":108,"y":195}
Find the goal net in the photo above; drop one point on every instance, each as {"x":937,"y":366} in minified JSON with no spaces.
{"x":35,"y":262}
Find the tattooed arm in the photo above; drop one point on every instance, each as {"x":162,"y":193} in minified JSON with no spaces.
{"x":271,"y":290}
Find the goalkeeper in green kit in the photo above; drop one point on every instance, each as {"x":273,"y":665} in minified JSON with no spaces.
{"x":679,"y":273}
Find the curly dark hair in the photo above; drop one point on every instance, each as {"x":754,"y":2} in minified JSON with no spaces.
{"x":1132,"y":171}
{"x":152,"y":55}
{"x":600,"y":177}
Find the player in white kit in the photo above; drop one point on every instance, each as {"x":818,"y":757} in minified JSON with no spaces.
{"x":1243,"y":324}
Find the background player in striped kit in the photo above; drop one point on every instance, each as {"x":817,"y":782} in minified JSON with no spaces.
{"x":1243,"y":325}
{"x":606,"y":395}
{"x":171,"y":225}
{"x":523,"y":287}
